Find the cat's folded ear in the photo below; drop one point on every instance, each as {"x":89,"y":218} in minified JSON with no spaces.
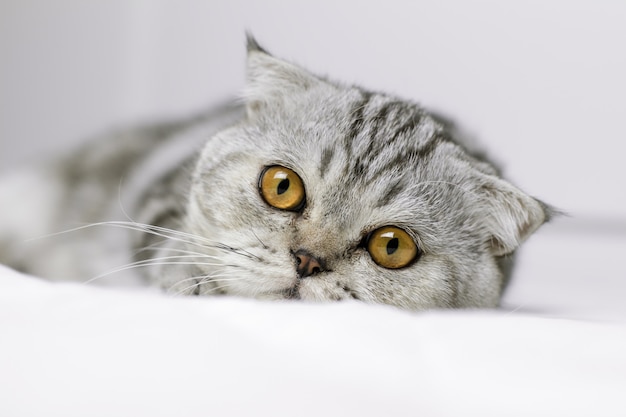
{"x":512,"y":216}
{"x":270,"y":80}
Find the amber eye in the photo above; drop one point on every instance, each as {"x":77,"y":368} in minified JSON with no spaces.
{"x":282,"y":188}
{"x":391,"y":247}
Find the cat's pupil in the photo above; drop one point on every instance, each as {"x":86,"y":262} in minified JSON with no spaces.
{"x":392,"y":245}
{"x":283,"y":186}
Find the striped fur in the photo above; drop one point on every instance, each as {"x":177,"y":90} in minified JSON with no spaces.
{"x":366,"y":159}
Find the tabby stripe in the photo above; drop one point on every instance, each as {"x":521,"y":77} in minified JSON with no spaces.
{"x":412,"y":123}
{"x":377,"y":121}
{"x":357,"y":124}
{"x":416,"y":154}
{"x":327,"y":156}
{"x":392,"y":192}
{"x":380,"y":119}
{"x":427,"y":148}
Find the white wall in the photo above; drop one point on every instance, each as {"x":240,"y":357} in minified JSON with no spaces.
{"x":540,"y":82}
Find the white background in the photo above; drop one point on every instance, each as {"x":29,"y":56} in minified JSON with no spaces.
{"x":541,"y":83}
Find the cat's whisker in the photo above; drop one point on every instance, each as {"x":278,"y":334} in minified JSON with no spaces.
{"x":126,"y":225}
{"x":214,"y":289}
{"x":260,"y":241}
{"x":241,"y":252}
{"x":152,"y":262}
{"x":217,"y":287}
{"x":157,"y":247}
{"x":177,"y":233}
{"x":119,"y":200}
{"x":154,"y":247}
{"x":205,"y":279}
{"x":217,"y":278}
{"x":140,"y":227}
{"x":186,"y":290}
{"x":201,"y":280}
{"x":163,"y":232}
{"x":195,"y":278}
{"x":197,"y":283}
{"x":515,"y":309}
{"x":177,"y":250}
{"x":179,"y":236}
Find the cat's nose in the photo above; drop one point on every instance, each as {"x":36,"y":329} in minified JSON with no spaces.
{"x":307,"y":264}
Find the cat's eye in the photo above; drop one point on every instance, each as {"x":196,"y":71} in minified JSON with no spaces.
{"x":392,"y":247}
{"x":282,"y":188}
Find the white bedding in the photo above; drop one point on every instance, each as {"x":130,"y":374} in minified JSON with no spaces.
{"x":75,"y":350}
{"x":541,"y":83}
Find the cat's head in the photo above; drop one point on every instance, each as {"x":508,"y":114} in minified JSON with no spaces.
{"x":330,"y":192}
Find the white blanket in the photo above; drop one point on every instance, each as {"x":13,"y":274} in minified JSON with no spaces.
{"x":73,"y":350}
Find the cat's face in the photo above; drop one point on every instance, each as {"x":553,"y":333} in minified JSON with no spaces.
{"x":327,"y":192}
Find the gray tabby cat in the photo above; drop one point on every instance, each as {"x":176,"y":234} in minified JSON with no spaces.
{"x":312,"y":190}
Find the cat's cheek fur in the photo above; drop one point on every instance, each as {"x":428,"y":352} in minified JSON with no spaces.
{"x":481,"y":286}
{"x":416,"y":287}
{"x":254,"y":238}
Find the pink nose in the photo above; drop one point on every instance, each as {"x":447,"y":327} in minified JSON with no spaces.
{"x":307,"y":264}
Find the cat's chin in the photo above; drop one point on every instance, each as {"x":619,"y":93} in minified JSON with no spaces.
{"x":301,"y":292}
{"x":319,"y":291}
{"x":291,"y":293}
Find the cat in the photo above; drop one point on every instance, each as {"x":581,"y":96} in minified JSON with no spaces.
{"x":304,"y":189}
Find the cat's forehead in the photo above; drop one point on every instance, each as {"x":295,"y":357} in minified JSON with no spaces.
{"x":363,"y":155}
{"x":360,"y":140}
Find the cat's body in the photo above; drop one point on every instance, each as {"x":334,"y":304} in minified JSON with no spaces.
{"x":138,"y":174}
{"x":311,"y":190}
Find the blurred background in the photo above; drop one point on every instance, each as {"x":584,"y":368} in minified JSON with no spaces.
{"x":542,"y":84}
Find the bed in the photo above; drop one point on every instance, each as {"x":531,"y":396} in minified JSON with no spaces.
{"x":557,"y":347}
